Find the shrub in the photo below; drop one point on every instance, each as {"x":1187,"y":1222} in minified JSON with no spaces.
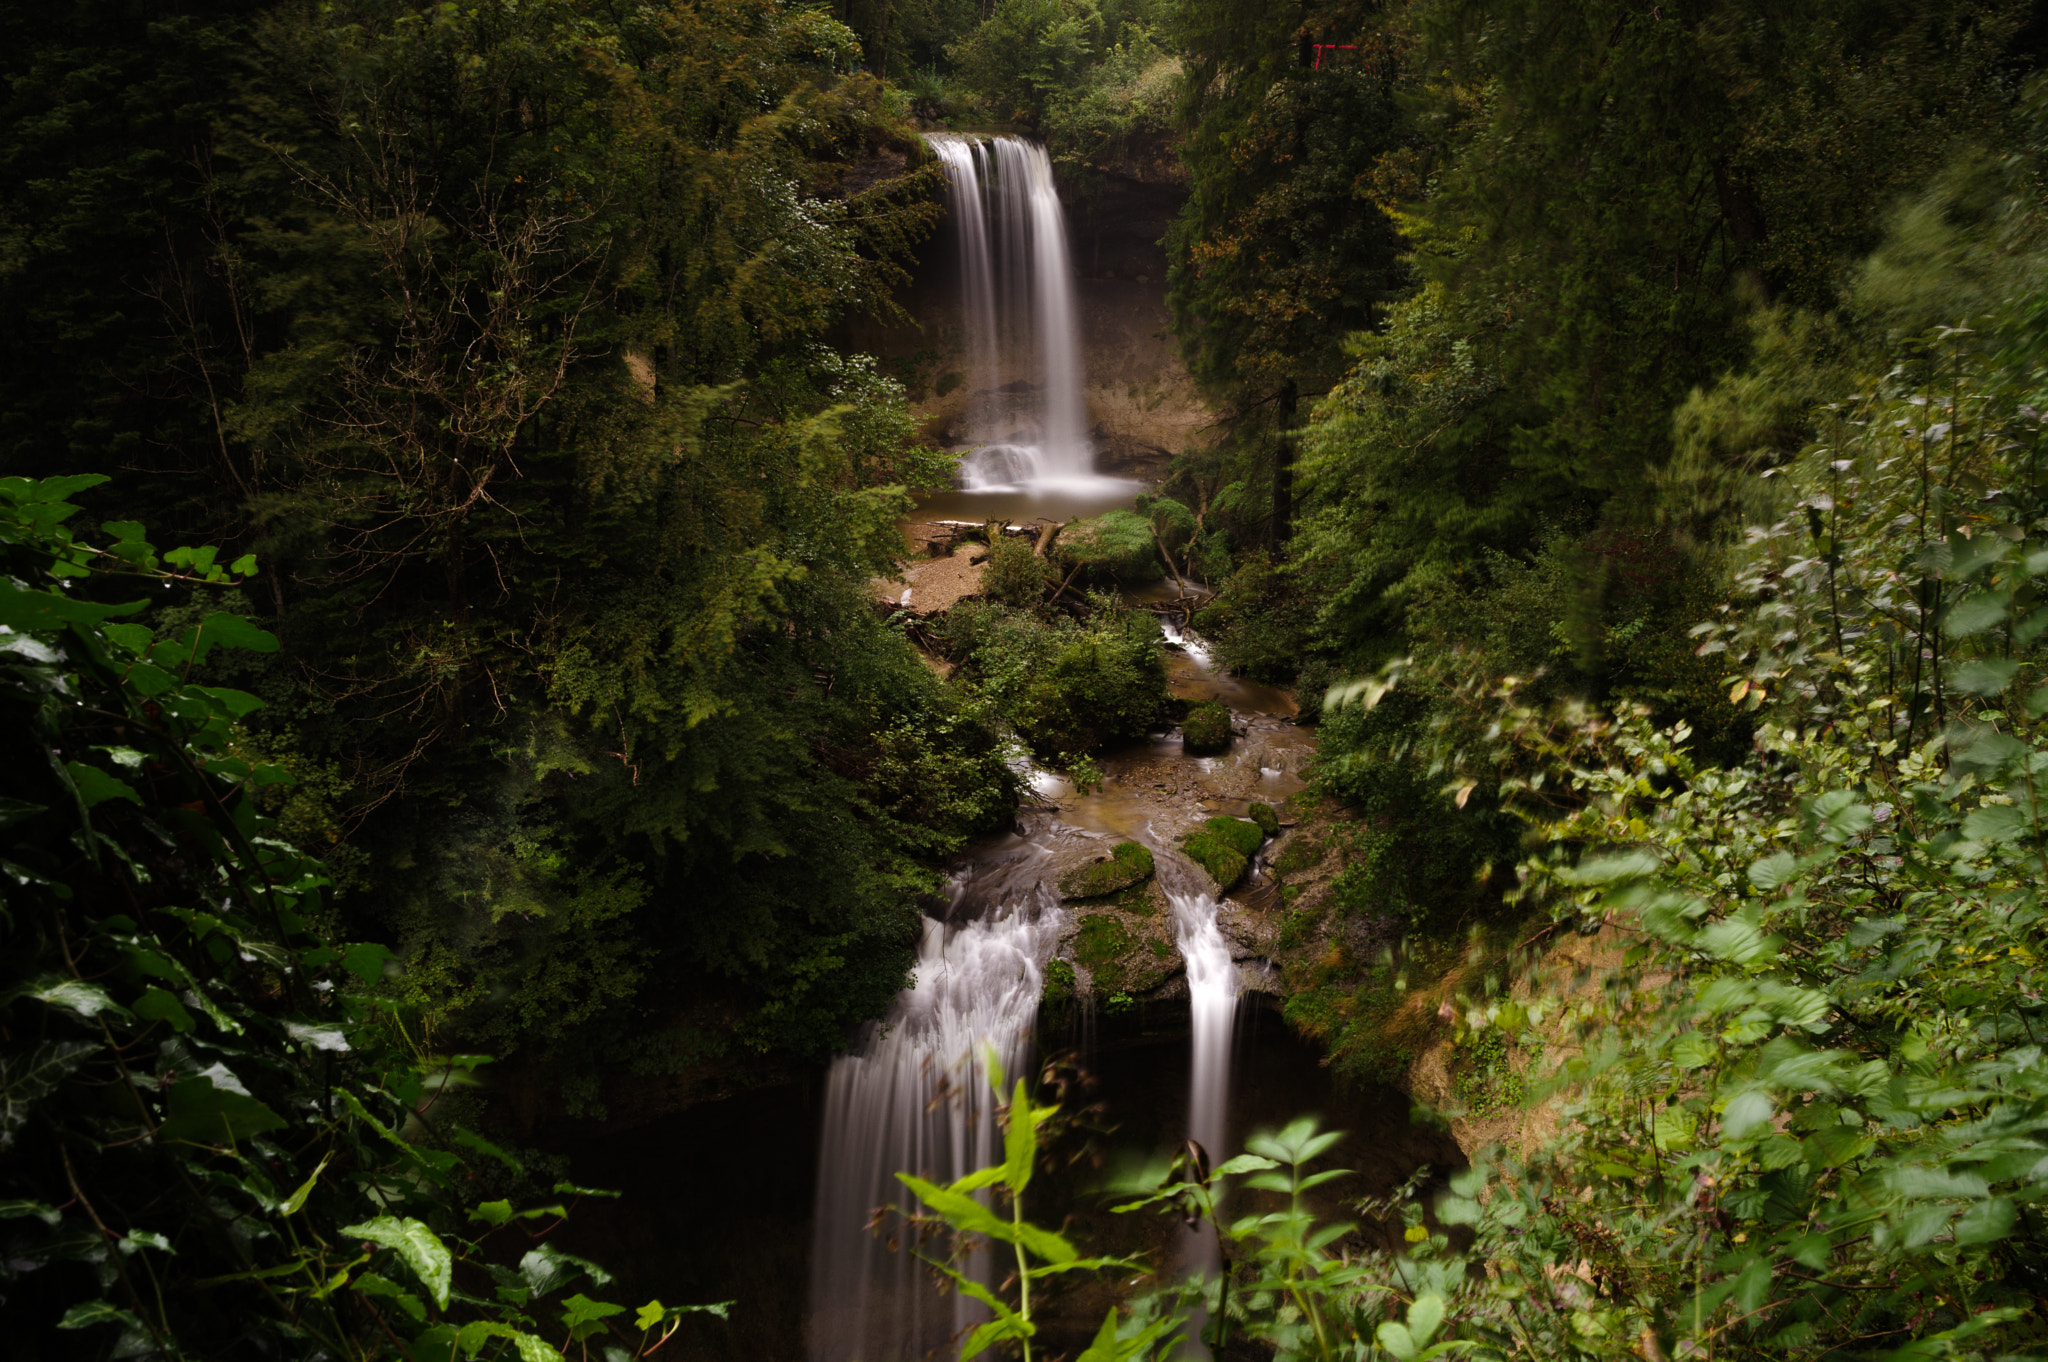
{"x":1206,"y":729}
{"x":1014,"y":575}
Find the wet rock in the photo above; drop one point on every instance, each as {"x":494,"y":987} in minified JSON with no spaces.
{"x":1223,"y":847}
{"x":1123,"y":952}
{"x":1125,"y":865}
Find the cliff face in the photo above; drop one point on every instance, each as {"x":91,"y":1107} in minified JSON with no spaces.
{"x":1142,"y":406}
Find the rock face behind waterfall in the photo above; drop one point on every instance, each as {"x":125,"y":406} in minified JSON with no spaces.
{"x":1141,"y":407}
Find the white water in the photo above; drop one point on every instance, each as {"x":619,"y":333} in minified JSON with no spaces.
{"x":916,"y":1097}
{"x":1026,"y":415}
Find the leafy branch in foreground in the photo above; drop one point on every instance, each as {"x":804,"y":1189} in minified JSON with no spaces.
{"x":1039,"y":1252}
{"x":221,"y":1139}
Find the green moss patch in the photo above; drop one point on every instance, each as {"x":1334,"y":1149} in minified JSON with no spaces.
{"x":1101,"y":942}
{"x":1127,"y":864}
{"x":1206,"y":729}
{"x":1060,"y":982}
{"x":1266,"y":818}
{"x":1223,"y":847}
{"x":1300,"y":855}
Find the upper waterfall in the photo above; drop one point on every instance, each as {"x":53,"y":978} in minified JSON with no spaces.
{"x":1026,"y":417}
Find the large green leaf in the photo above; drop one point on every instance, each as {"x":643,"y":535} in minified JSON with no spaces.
{"x":206,"y":1113}
{"x":418,"y":1247}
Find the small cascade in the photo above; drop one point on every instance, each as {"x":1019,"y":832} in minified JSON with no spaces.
{"x":916,"y":1097}
{"x":1026,"y":415}
{"x":1212,"y":1016}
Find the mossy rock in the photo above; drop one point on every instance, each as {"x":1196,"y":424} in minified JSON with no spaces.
{"x":1060,"y":983}
{"x":1126,"y":864}
{"x":1300,"y":855}
{"x":1266,"y":818}
{"x":1206,"y":729}
{"x":1223,"y":847}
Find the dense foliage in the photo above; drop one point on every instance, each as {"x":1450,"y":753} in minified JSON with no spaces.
{"x":219,"y":1124}
{"x":497,"y":332}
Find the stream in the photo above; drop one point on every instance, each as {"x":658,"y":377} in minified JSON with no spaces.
{"x":778,"y":1198}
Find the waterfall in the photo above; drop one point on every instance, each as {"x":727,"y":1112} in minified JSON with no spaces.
{"x":916,"y":1098}
{"x":1212,"y":1004}
{"x":1025,"y":415}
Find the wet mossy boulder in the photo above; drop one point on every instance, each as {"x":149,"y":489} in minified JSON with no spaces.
{"x":1224,"y":847}
{"x":1060,"y":984}
{"x":1267,"y":819}
{"x":1206,"y":729}
{"x":1126,"y":864}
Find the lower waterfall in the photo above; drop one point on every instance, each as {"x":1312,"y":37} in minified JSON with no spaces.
{"x":916,"y":1098}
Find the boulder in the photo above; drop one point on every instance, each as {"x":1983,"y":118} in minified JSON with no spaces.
{"x":1124,"y":866}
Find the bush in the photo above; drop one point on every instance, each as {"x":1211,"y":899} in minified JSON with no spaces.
{"x":1260,"y":623}
{"x":1206,"y":729}
{"x":1064,"y":686}
{"x":1015,"y":575}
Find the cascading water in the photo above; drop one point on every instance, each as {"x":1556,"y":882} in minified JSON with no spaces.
{"x":1026,"y":415}
{"x":916,"y":1097}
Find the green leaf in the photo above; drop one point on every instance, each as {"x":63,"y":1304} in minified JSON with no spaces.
{"x":158,"y":1004}
{"x":95,"y":786}
{"x":1997,"y":823}
{"x":232,"y":631}
{"x":30,"y":612}
{"x":205,"y":1113}
{"x":298,"y":1198}
{"x":371,"y":1284}
{"x":87,"y":1000}
{"x":1243,"y":1163}
{"x":579,"y":1310}
{"x":18,"y":1210}
{"x":1396,"y":1339}
{"x":1773,"y":871}
{"x":966,"y":1214}
{"x":1423,"y":1318}
{"x":493,"y":1213}
{"x":1747,"y":1114}
{"x":1986,"y":1221}
{"x":546,"y":1268}
{"x":418,"y":1247}
{"x":994,"y":1331}
{"x":27,"y":1077}
{"x":1840,"y":816}
{"x":1020,"y":1141}
{"x":89,"y":1313}
{"x":366,"y":960}
{"x":1980,"y":611}
{"x":1985,"y":676}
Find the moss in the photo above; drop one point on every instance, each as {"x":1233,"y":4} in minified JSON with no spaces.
{"x":1101,"y":944}
{"x":1060,"y":982}
{"x":1127,"y":864}
{"x":1301,"y":854}
{"x":1266,"y":818}
{"x":1225,"y":864}
{"x":1240,"y":834}
{"x":1206,"y":729}
{"x":1137,"y":900}
{"x":1223,"y":847}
